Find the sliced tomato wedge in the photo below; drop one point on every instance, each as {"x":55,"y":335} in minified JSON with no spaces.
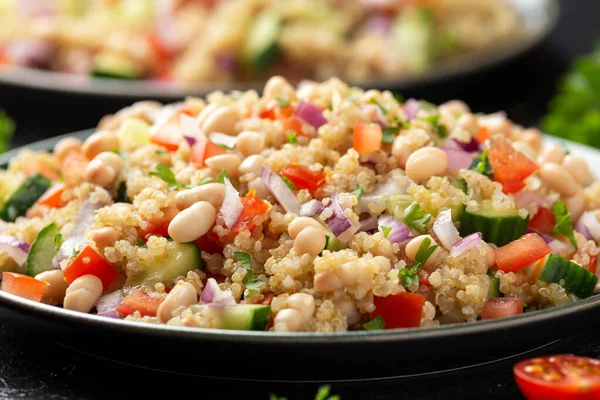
{"x":305,"y":178}
{"x":510,"y":167}
{"x":521,"y":252}
{"x":543,"y":221}
{"x":592,"y":266}
{"x":367,"y":137}
{"x":23,"y":286}
{"x":203,"y":150}
{"x":53,"y":197}
{"x":88,"y":261}
{"x":146,"y":304}
{"x":400,"y":310}
{"x":501,"y":307}
{"x":253,"y":206}
{"x":559,"y":377}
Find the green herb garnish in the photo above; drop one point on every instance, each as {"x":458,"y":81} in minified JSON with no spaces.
{"x":244,"y":258}
{"x":376,"y":324}
{"x":283,"y":101}
{"x":416,"y":218}
{"x":7,"y":130}
{"x":399,"y":98}
{"x":223,"y":146}
{"x":323,"y":394}
{"x":291,"y":138}
{"x":386,"y":230}
{"x":289,"y":183}
{"x":482,"y":165}
{"x":160,"y":152}
{"x":140,"y":242}
{"x":252,"y":285}
{"x":390,"y":132}
{"x":358,"y":192}
{"x":163,"y":172}
{"x":439,"y":130}
{"x":563,"y":222}
{"x":221,"y":177}
{"x":410,"y":275}
{"x":378,"y":104}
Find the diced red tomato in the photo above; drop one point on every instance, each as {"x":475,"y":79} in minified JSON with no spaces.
{"x":510,"y":167}
{"x":253,"y":206}
{"x":203,"y":150}
{"x":72,"y":168}
{"x":23,"y":286}
{"x":146,"y":304}
{"x":159,"y":227}
{"x":169,"y":136}
{"x":501,"y":307}
{"x":559,"y":377}
{"x":267,"y":298}
{"x":424,"y":278}
{"x":543,"y":221}
{"x":286,"y":116}
{"x":88,"y":261}
{"x":210,"y":243}
{"x":521,"y":252}
{"x":304,"y":178}
{"x":593,"y":264}
{"x":482,"y":135}
{"x":367,"y":137}
{"x":53,"y":197}
{"x":400,"y":310}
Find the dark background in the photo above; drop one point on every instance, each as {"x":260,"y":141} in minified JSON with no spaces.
{"x":34,"y":366}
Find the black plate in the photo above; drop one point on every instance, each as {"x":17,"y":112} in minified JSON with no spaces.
{"x":538,"y":18}
{"x":299,"y":356}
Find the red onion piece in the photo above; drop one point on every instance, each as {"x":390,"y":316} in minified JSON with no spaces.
{"x":280,"y":190}
{"x":209,"y":291}
{"x":368,"y":224}
{"x":398,"y":232}
{"x":411,"y":108}
{"x":379,"y":23}
{"x":221,"y":138}
{"x":32,"y":53}
{"x":469,"y":147}
{"x":466,"y":243}
{"x":457,"y":159}
{"x":107,"y":303}
{"x":311,"y":208}
{"x":232,"y":206}
{"x":588,"y":223}
{"x":340,"y":225}
{"x":444,"y":229}
{"x":214,"y":296}
{"x":190,"y":129}
{"x":15,"y":249}
{"x":525,"y":199}
{"x":375,"y":112}
{"x":227,"y":62}
{"x":310,"y":114}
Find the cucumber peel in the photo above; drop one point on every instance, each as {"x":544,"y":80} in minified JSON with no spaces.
{"x":42,"y":250}
{"x":32,"y":188}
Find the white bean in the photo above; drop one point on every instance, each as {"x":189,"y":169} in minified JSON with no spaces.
{"x":111,"y":159}
{"x":206,"y":111}
{"x":222,"y":119}
{"x":252,"y":164}
{"x":300,"y":223}
{"x":214,"y":193}
{"x":262,"y":192}
{"x":224,"y":162}
{"x":533,"y":136}
{"x":278,"y":86}
{"x":311,"y":240}
{"x":291,"y":318}
{"x":99,"y":173}
{"x":250,"y":143}
{"x":302,"y":302}
{"x":193,"y":222}
{"x":576,"y":205}
{"x":99,"y":142}
{"x":83,"y":293}
{"x":104,"y":237}
{"x":327,"y":282}
{"x":557,"y":178}
{"x":184,"y":294}
{"x":57,"y":286}
{"x":579,"y":168}
{"x":552,"y":154}
{"x":66,"y":146}
{"x":497,"y":124}
{"x":425,"y":163}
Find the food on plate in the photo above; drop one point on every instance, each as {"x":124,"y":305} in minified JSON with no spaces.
{"x":318,"y":208}
{"x":564,"y":377}
{"x":241,"y":40}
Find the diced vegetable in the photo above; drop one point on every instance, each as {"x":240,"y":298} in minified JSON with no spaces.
{"x":280,"y":190}
{"x":414,"y":33}
{"x":398,"y":232}
{"x":444,"y":229}
{"x":115,"y":66}
{"x":210,"y":243}
{"x":310,"y":114}
{"x":169,"y":136}
{"x":32,"y":188}
{"x":137,"y":300}
{"x":304,"y":178}
{"x":88,"y":261}
{"x":543,"y":221}
{"x":521,"y":252}
{"x":232,"y":207}
{"x":465,"y":244}
{"x":511,"y":167}
{"x":367,"y":137}
{"x":15,"y":249}
{"x":203,"y":150}
{"x":501,"y":307}
{"x":53,"y":197}
{"x":494,"y":286}
{"x":23,"y":286}
{"x":43,"y":249}
{"x":495,"y":227}
{"x":253,"y":206}
{"x":260,"y":48}
{"x":573,"y":277}
{"x":334,"y":244}
{"x":133,"y":133}
{"x":340,"y":225}
{"x":247,"y":317}
{"x":400,"y":310}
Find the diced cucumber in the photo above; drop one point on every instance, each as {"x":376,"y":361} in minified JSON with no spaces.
{"x":497,"y":228}
{"x":260,"y":49}
{"x":178,"y":262}
{"x":334,"y":244}
{"x":32,"y":188}
{"x":573,"y":277}
{"x":414,"y":31}
{"x":42,"y":251}
{"x":133,"y":133}
{"x":494,"y":286}
{"x":115,"y":66}
{"x":245,"y":317}
{"x":397,"y":203}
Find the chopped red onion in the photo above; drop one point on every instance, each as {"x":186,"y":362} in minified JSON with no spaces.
{"x":190,"y":129}
{"x":280,"y":190}
{"x":524,"y":199}
{"x":15,"y":249}
{"x":411,"y":108}
{"x":107,"y":304}
{"x":457,"y":159}
{"x":227,"y":62}
{"x":311,"y":208}
{"x":340,"y":225}
{"x":444,"y":229}
{"x":375,"y":111}
{"x":588,"y":225}
{"x":466,"y":243}
{"x":310,"y":114}
{"x":32,"y":53}
{"x":379,"y":23}
{"x":368,"y":224}
{"x":398,"y":231}
{"x":469,"y":147}
{"x":232,"y":206}
{"x":545,"y":237}
{"x":221,"y":138}
{"x":214,"y":296}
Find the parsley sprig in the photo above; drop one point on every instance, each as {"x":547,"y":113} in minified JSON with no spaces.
{"x":563,"y":222}
{"x":358,"y":192}
{"x":378,"y":104}
{"x":410,"y":275}
{"x":386,"y":230}
{"x":289,"y":183}
{"x":291,"y":138}
{"x":438,"y":129}
{"x":416,"y":218}
{"x":163,"y":172}
{"x":283,"y":101}
{"x":390,"y":132}
{"x":482,"y":165}
{"x":376,"y":324}
{"x":252,"y":285}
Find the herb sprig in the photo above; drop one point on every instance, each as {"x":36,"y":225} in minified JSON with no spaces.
{"x":410,"y":275}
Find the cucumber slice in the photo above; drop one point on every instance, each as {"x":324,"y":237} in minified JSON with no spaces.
{"x":133,"y":133}
{"x":414,"y":32}
{"x":334,"y":244}
{"x":178,"y":262}
{"x":497,"y":228}
{"x":114,"y":66}
{"x":32,"y":188}
{"x":42,"y":251}
{"x":260,"y":49}
{"x":245,"y":317}
{"x":397,"y":203}
{"x":575,"y":279}
{"x":494,"y":287}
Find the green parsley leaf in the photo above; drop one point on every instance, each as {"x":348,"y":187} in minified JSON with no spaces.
{"x":386,"y":230}
{"x":75,"y":253}
{"x":482,"y":165}
{"x":563,"y":222}
{"x":204,"y":181}
{"x":408,"y":278}
{"x":221,"y":177}
{"x":7,"y":130}
{"x":376,"y":324}
{"x":252,"y":285}
{"x":378,"y":104}
{"x":58,"y":240}
{"x":140,"y":242}
{"x":160,"y":152}
{"x":399,"y":98}
{"x":289,"y":183}
{"x":358,"y":192}
{"x":323,"y":394}
{"x":283,"y":101}
{"x":115,"y":150}
{"x":439,"y":130}
{"x":291,"y":138}
{"x":163,"y":172}
{"x":416,"y":218}
{"x":389,"y":134}
{"x":245,"y":259}
{"x":410,"y":275}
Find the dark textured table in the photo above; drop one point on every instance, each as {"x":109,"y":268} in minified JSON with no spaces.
{"x":34,"y":366}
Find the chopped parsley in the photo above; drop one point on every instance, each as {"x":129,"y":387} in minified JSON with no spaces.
{"x":416,"y":218}
{"x":291,"y":138}
{"x":163,"y":172}
{"x":252,"y":285}
{"x":358,"y":192}
{"x":7,"y":130}
{"x":289,"y":183}
{"x":439,"y":130}
{"x":114,"y":150}
{"x":386,"y":230}
{"x":563,"y":222}
{"x":283,"y":101}
{"x":378,"y":104}
{"x":221,"y":177}
{"x":410,"y":275}
{"x":160,"y":152}
{"x":140,"y":242}
{"x":390,"y":132}
{"x":58,"y":240}
{"x":482,"y":165}
{"x":75,"y":253}
{"x":204,"y":181}
{"x":376,"y":324}
{"x":223,"y":146}
{"x":244,"y":258}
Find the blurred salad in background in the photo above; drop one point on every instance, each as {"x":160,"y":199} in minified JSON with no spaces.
{"x":7,"y":129}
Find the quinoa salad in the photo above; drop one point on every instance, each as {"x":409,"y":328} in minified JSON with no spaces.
{"x":199,"y":41}
{"x":319,"y":208}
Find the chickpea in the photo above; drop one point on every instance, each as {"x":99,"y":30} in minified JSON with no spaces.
{"x":214,"y":193}
{"x":327,"y":282}
{"x":525,"y":148}
{"x":557,"y":178}
{"x":193,"y":222}
{"x":222,"y":119}
{"x":579,"y":168}
{"x":250,"y":143}
{"x":278,"y":86}
{"x":412,"y":248}
{"x":302,"y":302}
{"x":99,"y":142}
{"x":184,"y":294}
{"x":98,"y":173}
{"x":252,"y":164}
{"x":104,"y":237}
{"x":228,"y":162}
{"x":576,"y":205}
{"x":66,"y":146}
{"x":83,"y":293}
{"x":57,"y":286}
{"x":112,"y":160}
{"x":533,"y":136}
{"x":299,"y":223}
{"x":425,"y":163}
{"x":552,"y":154}
{"x":310,"y":240}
